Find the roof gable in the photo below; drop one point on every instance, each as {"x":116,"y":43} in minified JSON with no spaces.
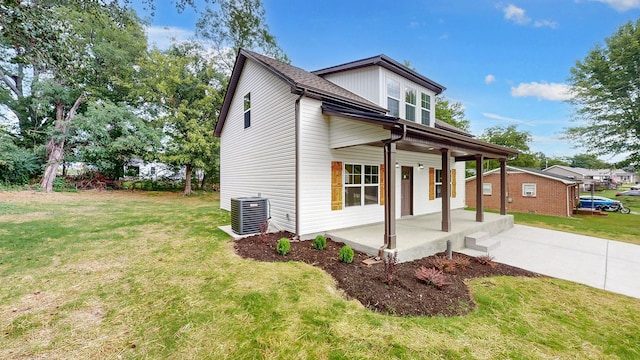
{"x":389,"y":64}
{"x":534,"y":172}
{"x":301,"y":81}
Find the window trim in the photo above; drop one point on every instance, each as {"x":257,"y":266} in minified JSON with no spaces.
{"x":407,"y":104}
{"x":247,"y":110}
{"x":525,"y":193}
{"x":363,"y":185}
{"x":427,"y":109}
{"x":389,"y":96}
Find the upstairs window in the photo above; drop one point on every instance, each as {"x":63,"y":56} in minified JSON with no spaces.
{"x":247,"y":110}
{"x":425,"y":104}
{"x":393,"y":97}
{"x":410,"y":103}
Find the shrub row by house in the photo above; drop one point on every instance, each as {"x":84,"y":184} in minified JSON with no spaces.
{"x":345,"y":255}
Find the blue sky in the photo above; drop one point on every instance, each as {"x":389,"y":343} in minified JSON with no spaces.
{"x":506,"y":61}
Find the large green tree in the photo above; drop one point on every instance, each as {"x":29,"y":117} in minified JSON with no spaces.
{"x":107,"y":136}
{"x":235,"y":24}
{"x":606,"y":86}
{"x":58,"y":53}
{"x":183,"y":91}
{"x":510,"y":136}
{"x":452,"y":113}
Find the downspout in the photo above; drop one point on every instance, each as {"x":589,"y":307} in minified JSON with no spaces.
{"x":387,"y":194}
{"x":297,"y":167}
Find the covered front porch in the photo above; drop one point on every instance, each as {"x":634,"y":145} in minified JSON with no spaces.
{"x":420,"y":236}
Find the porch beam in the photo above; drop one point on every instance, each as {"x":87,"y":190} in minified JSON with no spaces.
{"x":390,"y":195}
{"x":479,"y":187}
{"x":446,"y":190}
{"x":503,"y":187}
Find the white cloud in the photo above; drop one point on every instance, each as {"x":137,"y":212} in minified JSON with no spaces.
{"x":543,"y":90}
{"x":519,"y":16}
{"x":621,"y":5}
{"x":547,"y":23}
{"x":162,"y":36}
{"x":489,"y":79}
{"x":504,"y":118}
{"x":516,"y":14}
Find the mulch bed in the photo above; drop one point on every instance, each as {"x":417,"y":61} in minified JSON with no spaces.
{"x":404,"y":296}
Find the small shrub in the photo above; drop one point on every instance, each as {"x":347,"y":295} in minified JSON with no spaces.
{"x":443,"y":264}
{"x":486,"y":260}
{"x":320,"y":242}
{"x":283,"y":246}
{"x":346,"y":254}
{"x":431,"y":276}
{"x":461,"y":262}
{"x":390,"y":266}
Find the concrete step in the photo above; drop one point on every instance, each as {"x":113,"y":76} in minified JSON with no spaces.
{"x":481,"y":241}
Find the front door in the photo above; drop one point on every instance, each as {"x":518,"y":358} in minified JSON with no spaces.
{"x":406,"y":190}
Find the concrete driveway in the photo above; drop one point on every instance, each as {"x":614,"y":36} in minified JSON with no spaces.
{"x":603,"y":264}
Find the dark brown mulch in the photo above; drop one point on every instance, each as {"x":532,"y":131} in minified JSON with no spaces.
{"x":405,"y":296}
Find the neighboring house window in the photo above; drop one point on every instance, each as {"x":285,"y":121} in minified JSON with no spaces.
{"x":487,"y":188}
{"x":410,"y":103}
{"x":425,"y":104}
{"x":393,"y":97}
{"x":247,"y":110}
{"x":528,"y":189}
{"x":361,"y":184}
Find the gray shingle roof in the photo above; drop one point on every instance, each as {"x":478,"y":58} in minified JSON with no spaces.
{"x":311,"y":82}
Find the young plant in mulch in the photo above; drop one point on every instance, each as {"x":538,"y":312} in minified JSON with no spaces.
{"x":486,"y":260}
{"x":432,"y":276}
{"x":263,"y":227}
{"x":390,"y":265}
{"x":461,"y":262}
{"x":283,"y":246}
{"x":320,"y":242}
{"x":346,"y":254}
{"x":443,"y":264}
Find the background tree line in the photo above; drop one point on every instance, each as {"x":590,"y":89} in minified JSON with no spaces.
{"x":83,"y":85}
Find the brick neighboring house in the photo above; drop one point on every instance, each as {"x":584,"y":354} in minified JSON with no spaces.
{"x":528,"y":191}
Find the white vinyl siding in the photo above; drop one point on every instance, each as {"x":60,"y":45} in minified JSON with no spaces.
{"x":346,"y":132}
{"x":260,"y":160}
{"x":364,"y":82}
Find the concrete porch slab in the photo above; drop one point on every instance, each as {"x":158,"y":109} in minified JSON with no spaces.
{"x":420,"y":236}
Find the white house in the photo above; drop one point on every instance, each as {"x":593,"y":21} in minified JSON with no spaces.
{"x":348,"y":145}
{"x":591,"y":176}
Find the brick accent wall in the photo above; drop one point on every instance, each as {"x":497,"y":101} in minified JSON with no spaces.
{"x":551,"y":196}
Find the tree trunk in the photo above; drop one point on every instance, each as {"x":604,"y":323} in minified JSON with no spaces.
{"x":55,"y":146}
{"x":187,"y":181}
{"x":204,"y":181}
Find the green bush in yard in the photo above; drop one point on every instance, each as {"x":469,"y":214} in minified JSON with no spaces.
{"x":346,"y":254}
{"x":320,"y":242}
{"x":283,"y":246}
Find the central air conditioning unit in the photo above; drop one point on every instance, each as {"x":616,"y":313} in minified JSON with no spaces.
{"x":248,"y":213}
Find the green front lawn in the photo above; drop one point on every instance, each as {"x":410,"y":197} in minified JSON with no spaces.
{"x":109,"y":275}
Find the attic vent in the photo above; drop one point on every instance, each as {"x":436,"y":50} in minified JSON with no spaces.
{"x":247,"y":213}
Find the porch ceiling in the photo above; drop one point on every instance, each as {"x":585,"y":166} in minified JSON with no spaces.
{"x":422,"y":138}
